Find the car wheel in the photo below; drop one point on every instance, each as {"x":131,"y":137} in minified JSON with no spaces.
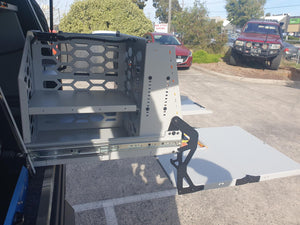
{"x":233,"y":59}
{"x":274,"y":63}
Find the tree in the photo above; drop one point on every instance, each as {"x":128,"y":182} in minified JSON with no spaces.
{"x":268,"y":14}
{"x":240,"y":11}
{"x":197,"y":29}
{"x":162,"y":9}
{"x":88,"y":15}
{"x":140,"y":3}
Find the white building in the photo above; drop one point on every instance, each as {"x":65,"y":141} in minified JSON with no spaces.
{"x":280,"y":18}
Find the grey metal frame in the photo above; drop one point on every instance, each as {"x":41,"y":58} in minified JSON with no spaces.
{"x":95,"y":90}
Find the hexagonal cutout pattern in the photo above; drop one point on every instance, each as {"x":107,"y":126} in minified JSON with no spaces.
{"x":64,"y":47}
{"x":111,"y":55}
{"x":111,"y":85}
{"x":78,"y":61}
{"x":97,"y":59}
{"x":81,"y":85}
{"x":81,"y":64}
{"x":97,"y":48}
{"x":81,"y":53}
{"x":97,"y":69}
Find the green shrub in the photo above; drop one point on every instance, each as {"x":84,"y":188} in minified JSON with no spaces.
{"x":202,"y":56}
{"x":293,"y":38}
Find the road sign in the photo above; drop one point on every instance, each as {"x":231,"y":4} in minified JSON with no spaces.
{"x":161,"y":27}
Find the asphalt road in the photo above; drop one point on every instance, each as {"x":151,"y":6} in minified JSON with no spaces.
{"x":136,"y":191}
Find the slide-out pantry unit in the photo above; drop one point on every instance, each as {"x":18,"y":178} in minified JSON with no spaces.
{"x":104,"y":94}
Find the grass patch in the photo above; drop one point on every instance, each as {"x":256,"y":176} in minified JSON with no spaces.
{"x":202,"y":56}
{"x":291,"y":64}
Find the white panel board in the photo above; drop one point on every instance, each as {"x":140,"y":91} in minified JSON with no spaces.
{"x":232,"y":154}
{"x":188,"y":107}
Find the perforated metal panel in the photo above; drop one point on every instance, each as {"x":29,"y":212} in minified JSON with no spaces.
{"x":26,"y":91}
{"x":82,"y":65}
{"x":161,"y":98}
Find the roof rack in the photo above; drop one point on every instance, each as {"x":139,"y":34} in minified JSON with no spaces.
{"x":265,"y":20}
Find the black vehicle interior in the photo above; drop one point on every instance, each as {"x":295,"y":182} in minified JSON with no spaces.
{"x":14,"y":24}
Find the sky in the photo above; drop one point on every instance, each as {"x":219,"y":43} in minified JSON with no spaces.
{"x":214,"y":7}
{"x":217,"y":7}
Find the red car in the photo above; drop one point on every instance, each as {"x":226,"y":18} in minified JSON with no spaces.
{"x":184,"y":56}
{"x":260,"y":40}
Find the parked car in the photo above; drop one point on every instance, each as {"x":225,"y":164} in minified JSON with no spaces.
{"x":184,"y":56}
{"x":260,"y":40}
{"x":290,"y":51}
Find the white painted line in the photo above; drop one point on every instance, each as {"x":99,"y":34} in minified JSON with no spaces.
{"x":110,"y":215}
{"x":124,"y":200}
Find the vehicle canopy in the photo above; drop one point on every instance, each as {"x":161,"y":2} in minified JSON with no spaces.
{"x":262,"y":27}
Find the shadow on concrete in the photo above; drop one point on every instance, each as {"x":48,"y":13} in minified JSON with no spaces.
{"x":294,"y":73}
{"x":294,"y":85}
{"x":202,"y":172}
{"x":160,"y":211}
{"x":89,"y":182}
{"x":209,"y":174}
{"x":182,"y":68}
{"x":93,"y":180}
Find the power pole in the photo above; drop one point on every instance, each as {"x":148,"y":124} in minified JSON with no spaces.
{"x":169,"y":16}
{"x":58,"y":15}
{"x":51,"y":14}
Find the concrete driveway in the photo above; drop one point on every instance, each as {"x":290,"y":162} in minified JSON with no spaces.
{"x":136,"y":191}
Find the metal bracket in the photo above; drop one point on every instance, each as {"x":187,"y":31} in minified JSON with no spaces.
{"x":247,"y":179}
{"x":180,"y":163}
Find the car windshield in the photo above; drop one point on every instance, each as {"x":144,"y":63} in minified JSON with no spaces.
{"x":166,"y":40}
{"x":261,"y":28}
